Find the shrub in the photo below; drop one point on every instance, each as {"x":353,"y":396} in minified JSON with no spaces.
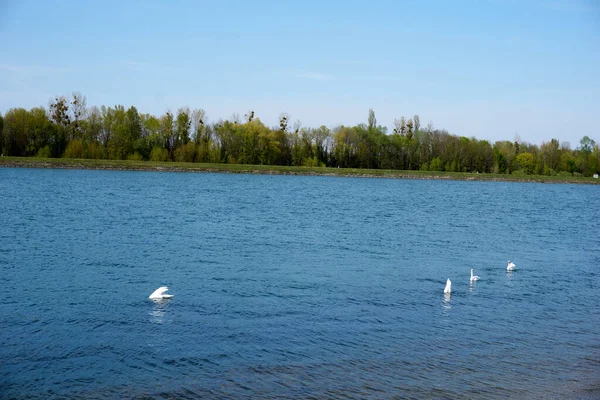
{"x":436,"y":165}
{"x":44,"y":152}
{"x":74,"y":149}
{"x":135,"y":157}
{"x":215,"y":155}
{"x":527,"y":162}
{"x":94,"y":151}
{"x":159,"y":154}
{"x":202,"y":153}
{"x":549,"y":171}
{"x":312,"y":162}
{"x":185,"y":153}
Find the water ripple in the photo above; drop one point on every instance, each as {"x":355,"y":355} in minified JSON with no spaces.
{"x":296,"y":287}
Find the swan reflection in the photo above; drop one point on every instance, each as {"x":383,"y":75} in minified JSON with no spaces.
{"x":158,"y":311}
{"x":446,"y":305}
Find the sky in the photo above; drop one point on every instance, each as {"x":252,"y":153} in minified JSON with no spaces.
{"x":494,"y":70}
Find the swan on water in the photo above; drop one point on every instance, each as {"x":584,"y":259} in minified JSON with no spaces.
{"x":473,"y":277}
{"x":511,"y":266}
{"x":159,"y":294}
{"x":448,"y":288}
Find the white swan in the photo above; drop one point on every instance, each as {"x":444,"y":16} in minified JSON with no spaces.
{"x":473,"y":277}
{"x":448,"y":288}
{"x":511,"y":266}
{"x":159,"y":294}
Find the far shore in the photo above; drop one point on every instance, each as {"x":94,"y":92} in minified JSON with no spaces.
{"x":126,"y":165}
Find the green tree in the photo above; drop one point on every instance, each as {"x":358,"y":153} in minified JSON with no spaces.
{"x":550,"y":153}
{"x":183,"y":124}
{"x":133,"y":123}
{"x":167,"y":132}
{"x":120,"y":144}
{"x":106,"y":118}
{"x":322,"y":138}
{"x":59,"y":115}
{"x":25,"y":132}
{"x":500,"y":162}
{"x":40,"y":130}
{"x":345,"y":147}
{"x":372,"y":119}
{"x":587,"y":145}
{"x":526,"y":161}
{"x":1,"y":137}
{"x":151,"y":132}
{"x":93,"y":126}
{"x":508,"y":151}
{"x":15,"y":132}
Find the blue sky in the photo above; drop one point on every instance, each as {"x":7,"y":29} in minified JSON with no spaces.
{"x":490,"y":69}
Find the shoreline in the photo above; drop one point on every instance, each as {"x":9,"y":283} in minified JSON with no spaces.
{"x":125,"y":165}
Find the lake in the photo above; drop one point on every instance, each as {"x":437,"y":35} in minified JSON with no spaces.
{"x":296,"y":287}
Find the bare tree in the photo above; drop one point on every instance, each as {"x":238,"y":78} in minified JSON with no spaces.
{"x":396,"y":126}
{"x":198,"y":124}
{"x":78,"y":111}
{"x":283,"y":121}
{"x":417,"y":122}
{"x":429,"y":127}
{"x":297,"y":126}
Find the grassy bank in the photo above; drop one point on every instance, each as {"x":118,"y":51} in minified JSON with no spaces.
{"x":126,"y":165}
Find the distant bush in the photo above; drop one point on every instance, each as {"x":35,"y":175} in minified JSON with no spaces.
{"x":312,"y":162}
{"x":215,"y":155}
{"x":202,"y":153}
{"x":549,"y":171}
{"x":436,"y":164}
{"x":185,"y":153}
{"x":135,"y":157}
{"x":44,"y":152}
{"x":451,"y":167}
{"x":159,"y":154}
{"x":95,"y":151}
{"x":75,"y":149}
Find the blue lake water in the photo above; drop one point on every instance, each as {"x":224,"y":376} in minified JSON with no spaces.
{"x":295,"y":287}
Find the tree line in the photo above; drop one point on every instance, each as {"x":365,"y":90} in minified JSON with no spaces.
{"x":69,"y":128}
